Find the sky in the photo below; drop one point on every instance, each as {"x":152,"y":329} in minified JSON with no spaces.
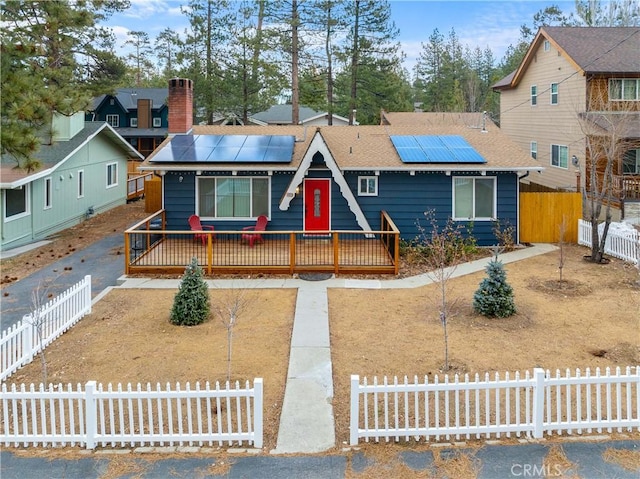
{"x":477,"y":23}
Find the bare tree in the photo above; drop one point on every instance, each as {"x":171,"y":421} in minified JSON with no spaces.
{"x":562,"y":230}
{"x":229,"y":308}
{"x":38,"y":320}
{"x":609,"y":134}
{"x":445,"y":250}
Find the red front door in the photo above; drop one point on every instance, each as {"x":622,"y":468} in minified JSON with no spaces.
{"x":316,"y":205}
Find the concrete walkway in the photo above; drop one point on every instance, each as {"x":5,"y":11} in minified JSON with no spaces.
{"x":306,"y":421}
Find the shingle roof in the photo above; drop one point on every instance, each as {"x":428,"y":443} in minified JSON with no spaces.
{"x":599,"y":49}
{"x":593,"y":50}
{"x":128,"y":97}
{"x":282,"y":114}
{"x":370,"y":147}
{"x":50,"y":155}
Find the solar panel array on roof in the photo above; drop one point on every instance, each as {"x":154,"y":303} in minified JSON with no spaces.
{"x":435,"y":149}
{"x":227,"y":149}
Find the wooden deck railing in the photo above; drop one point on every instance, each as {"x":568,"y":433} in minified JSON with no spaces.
{"x":135,"y":185}
{"x":628,"y":186}
{"x":154,"y":250}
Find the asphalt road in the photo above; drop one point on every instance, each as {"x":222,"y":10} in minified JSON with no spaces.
{"x":101,"y":260}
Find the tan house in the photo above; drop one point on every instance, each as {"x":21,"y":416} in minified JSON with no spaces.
{"x":575,"y":87}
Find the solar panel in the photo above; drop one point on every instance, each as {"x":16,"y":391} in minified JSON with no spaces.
{"x":435,"y":149}
{"x":227,"y":149}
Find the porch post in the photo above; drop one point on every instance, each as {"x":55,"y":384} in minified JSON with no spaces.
{"x":292,"y":252}
{"x":336,"y":252}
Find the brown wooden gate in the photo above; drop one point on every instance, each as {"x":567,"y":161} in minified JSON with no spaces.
{"x":542,"y":215}
{"x":153,"y":195}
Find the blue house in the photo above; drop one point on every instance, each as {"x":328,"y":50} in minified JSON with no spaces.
{"x":341,"y":177}
{"x":139,"y":115}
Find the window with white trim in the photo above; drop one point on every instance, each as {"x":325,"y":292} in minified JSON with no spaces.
{"x":631,"y":162}
{"x":367,"y":186}
{"x":534,"y":95}
{"x":157,"y":122}
{"x":560,"y":156}
{"x":113,"y":120}
{"x":534,"y":150}
{"x":223,"y":197}
{"x":16,"y":202}
{"x":554,"y":93}
{"x":547,"y":45}
{"x":133,"y":123}
{"x":80,"y":183}
{"x":48,"y":193}
{"x":474,"y":198}
{"x":624,"y":89}
{"x":112,"y":175}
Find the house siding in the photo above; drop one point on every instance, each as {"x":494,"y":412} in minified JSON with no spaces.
{"x":66,"y":208}
{"x":544,"y":123}
{"x":403,"y":196}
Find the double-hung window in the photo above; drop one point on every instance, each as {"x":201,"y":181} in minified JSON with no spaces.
{"x":474,"y":198}
{"x":631,"y":162}
{"x":534,"y":150}
{"x":625,"y":89}
{"x":534,"y":95}
{"x":16,"y":202}
{"x":133,"y":122}
{"x":232,"y":197}
{"x":48,"y":193}
{"x":157,"y":122}
{"x":112,"y":175}
{"x":367,"y":186}
{"x":113,"y":120}
{"x":554,"y":93}
{"x":560,"y":156}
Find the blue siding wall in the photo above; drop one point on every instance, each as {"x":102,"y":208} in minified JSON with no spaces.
{"x":404,"y":197}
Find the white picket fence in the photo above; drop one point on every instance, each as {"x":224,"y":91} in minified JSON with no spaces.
{"x":532,"y":405}
{"x":623,"y":245}
{"x":24,"y":340}
{"x":140,"y":416}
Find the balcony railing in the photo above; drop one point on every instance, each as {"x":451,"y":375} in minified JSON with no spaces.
{"x":628,"y":186}
{"x":154,"y":250}
{"x":135,"y":185}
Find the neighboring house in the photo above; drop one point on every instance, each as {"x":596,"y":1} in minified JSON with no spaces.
{"x":571,"y":81}
{"x":341,"y":177}
{"x":84,"y":171}
{"x":282,"y":115}
{"x":139,"y":115}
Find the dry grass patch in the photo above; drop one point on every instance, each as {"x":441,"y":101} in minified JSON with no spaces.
{"x":556,"y":464}
{"x":128,"y":339}
{"x":625,"y":458}
{"x":396,"y":332}
{"x":456,"y":463}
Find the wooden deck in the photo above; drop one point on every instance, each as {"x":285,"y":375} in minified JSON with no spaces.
{"x":154,"y":250}
{"x":271,"y":256}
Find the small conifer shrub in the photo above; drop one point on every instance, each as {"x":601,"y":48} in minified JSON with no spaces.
{"x":191,"y":304}
{"x":494,"y":297}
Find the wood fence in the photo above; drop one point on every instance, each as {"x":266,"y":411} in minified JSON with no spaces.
{"x":542,"y":215}
{"x":21,"y":342}
{"x":625,"y":246}
{"x":531,"y":405}
{"x":121,"y":417}
{"x":153,"y":195}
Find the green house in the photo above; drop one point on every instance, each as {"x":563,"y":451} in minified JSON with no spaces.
{"x":82,"y":172}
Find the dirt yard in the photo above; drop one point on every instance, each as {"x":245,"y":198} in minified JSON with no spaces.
{"x":591,"y":319}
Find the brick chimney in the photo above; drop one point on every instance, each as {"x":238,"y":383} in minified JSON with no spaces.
{"x":180,"y":105}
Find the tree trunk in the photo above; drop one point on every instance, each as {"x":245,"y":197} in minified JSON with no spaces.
{"x":295,"y":89}
{"x":354,"y":65}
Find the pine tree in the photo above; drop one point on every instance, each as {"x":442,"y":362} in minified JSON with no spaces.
{"x":191,"y":304}
{"x":494,"y":297}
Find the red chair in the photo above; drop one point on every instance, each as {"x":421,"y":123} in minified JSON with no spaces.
{"x":194,"y":223}
{"x":261,"y":225}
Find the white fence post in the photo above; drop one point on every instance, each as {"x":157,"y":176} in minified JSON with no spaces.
{"x":27,"y":341}
{"x":257,"y":413}
{"x":91,"y":418}
{"x":355,"y":410}
{"x":87,"y":289}
{"x":537,"y":415}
